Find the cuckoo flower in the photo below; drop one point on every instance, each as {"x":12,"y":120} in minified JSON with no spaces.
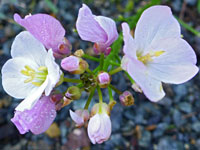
{"x":48,"y":31}
{"x":157,"y":53}
{"x":30,"y":72}
{"x":97,"y":29}
{"x":37,"y":119}
{"x":99,"y":127}
{"x":80,"y":116}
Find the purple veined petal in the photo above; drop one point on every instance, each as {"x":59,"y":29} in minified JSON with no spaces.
{"x":130,"y":46}
{"x":155,"y":23}
{"x":177,"y":64}
{"x":38,"y":119}
{"x":88,"y":28}
{"x":151,"y":87}
{"x":109,"y":26}
{"x":45,"y":28}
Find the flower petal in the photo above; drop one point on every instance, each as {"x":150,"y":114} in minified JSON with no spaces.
{"x":45,"y":28}
{"x":54,"y":72}
{"x":88,"y":28}
{"x":25,"y":45}
{"x":177,"y":64}
{"x":76,"y":118}
{"x":13,"y":79}
{"x":109,"y":26}
{"x":32,"y":97}
{"x":151,"y":87}
{"x":130,"y":46}
{"x":155,"y":23}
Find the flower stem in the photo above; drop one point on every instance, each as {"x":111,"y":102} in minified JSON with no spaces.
{"x":129,"y":77}
{"x":114,"y":63}
{"x":100,"y":98}
{"x":90,"y":57}
{"x":72,"y":80}
{"x":101,"y":61}
{"x":89,"y":98}
{"x":115,"y":89}
{"x":110,"y":94}
{"x":118,"y":69}
{"x":89,"y":71}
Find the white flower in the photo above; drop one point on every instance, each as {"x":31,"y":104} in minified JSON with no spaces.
{"x":30,"y":72}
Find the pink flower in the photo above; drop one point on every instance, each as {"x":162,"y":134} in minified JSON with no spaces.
{"x":157,"y":53}
{"x":103,"y":79}
{"x":97,"y":29}
{"x":99,"y":127}
{"x":74,"y":65}
{"x":48,"y":31}
{"x":80,"y":116}
{"x":37,"y":119}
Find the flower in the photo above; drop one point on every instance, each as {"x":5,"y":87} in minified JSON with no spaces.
{"x":99,"y":127}
{"x":80,"y":116}
{"x":30,"y":72}
{"x":48,"y":31}
{"x":74,"y":65}
{"x":103,"y":79}
{"x":97,"y":29}
{"x":157,"y":53}
{"x":37,"y":119}
{"x":126,"y":98}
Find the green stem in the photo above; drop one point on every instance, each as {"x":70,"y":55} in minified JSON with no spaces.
{"x":118,"y":69}
{"x":96,"y":69}
{"x":90,"y":57}
{"x":89,"y":71}
{"x":129,"y":77}
{"x":110,"y":94}
{"x":100,"y":95}
{"x":114,"y":63}
{"x":101,"y":61}
{"x":115,"y":89}
{"x":72,"y":80}
{"x":89,"y":98}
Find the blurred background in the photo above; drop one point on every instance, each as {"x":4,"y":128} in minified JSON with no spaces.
{"x":171,"y":124}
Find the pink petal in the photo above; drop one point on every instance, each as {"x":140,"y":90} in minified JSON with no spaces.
{"x":109,"y":27}
{"x":76,"y":118}
{"x":70,"y":63}
{"x":88,"y":28}
{"x":38,"y":119}
{"x":151,"y":87}
{"x":156,"y":22}
{"x":177,"y":64}
{"x":43,"y":27}
{"x":130,"y":46}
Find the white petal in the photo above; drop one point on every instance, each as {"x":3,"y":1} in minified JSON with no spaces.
{"x":151,"y":87}
{"x":155,"y":23}
{"x":53,"y":72}
{"x":177,"y":64}
{"x":76,"y":118}
{"x":25,"y":45}
{"x":32,"y":97}
{"x":130,"y":46}
{"x":13,"y":79}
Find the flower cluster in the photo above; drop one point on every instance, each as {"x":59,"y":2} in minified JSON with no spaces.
{"x":156,"y":54}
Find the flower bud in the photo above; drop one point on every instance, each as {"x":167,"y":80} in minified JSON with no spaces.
{"x":112,"y":104}
{"x":136,"y":88}
{"x":66,"y":101}
{"x":99,"y":126}
{"x":80,"y":116}
{"x":65,"y":47}
{"x":74,"y":65}
{"x":73,"y":93}
{"x":103,"y":79}
{"x":79,"y":53}
{"x":126,"y":99}
{"x":98,"y":49}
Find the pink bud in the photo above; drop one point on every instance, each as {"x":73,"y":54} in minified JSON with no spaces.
{"x":80,"y":116}
{"x":74,"y":65}
{"x":38,"y":119}
{"x":103,"y":79}
{"x":70,"y":63}
{"x":99,"y":128}
{"x":126,"y":98}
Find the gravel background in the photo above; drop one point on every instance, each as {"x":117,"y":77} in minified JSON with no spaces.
{"x":171,"y":124}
